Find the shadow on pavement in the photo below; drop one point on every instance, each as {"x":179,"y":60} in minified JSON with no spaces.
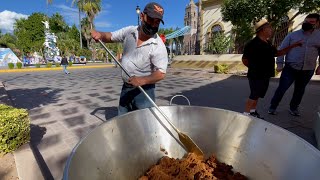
{"x":37,"y":134}
{"x":32,"y":98}
{"x":231,"y":94}
{"x":109,"y":112}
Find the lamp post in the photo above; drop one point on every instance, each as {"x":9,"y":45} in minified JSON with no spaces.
{"x":138,"y":13}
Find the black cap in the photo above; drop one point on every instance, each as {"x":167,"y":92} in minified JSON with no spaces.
{"x":154,"y":10}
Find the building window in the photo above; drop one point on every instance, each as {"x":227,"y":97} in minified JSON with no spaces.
{"x":215,"y":29}
{"x":194,"y":22}
{"x":188,"y":14}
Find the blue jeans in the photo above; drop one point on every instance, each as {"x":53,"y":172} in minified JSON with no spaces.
{"x":132,"y":98}
{"x":65,"y":69}
{"x":289,"y":75}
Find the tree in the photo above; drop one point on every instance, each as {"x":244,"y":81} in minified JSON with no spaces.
{"x":67,"y":44}
{"x":85,"y":30}
{"x":243,"y":13}
{"x":167,"y":31}
{"x":29,"y":32}
{"x":57,"y":23}
{"x":73,"y":33}
{"x":90,"y":7}
{"x":219,"y":44}
{"x":8,"y":40}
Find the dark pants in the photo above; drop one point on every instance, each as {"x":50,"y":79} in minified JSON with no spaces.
{"x":132,"y":98}
{"x":289,"y":75}
{"x":258,"y":87}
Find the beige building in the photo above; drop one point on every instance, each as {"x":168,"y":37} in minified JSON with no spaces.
{"x":211,"y":22}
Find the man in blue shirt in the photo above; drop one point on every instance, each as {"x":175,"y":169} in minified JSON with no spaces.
{"x":299,"y":64}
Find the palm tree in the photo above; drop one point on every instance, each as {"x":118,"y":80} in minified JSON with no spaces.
{"x":85,"y":29}
{"x":90,"y":7}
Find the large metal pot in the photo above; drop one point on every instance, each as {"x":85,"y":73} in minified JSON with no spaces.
{"x":126,"y":146}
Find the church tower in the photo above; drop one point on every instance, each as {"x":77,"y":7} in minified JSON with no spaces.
{"x":190,"y":19}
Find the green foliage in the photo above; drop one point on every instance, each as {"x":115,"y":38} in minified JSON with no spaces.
{"x":8,"y":40}
{"x":66,"y":44}
{"x":14,"y":128}
{"x":85,"y":29}
{"x":219,"y":44}
{"x":165,"y":31}
{"x":10,"y":65}
{"x":30,"y":33}
{"x":38,"y":65}
{"x":84,"y":52}
{"x":70,"y":64}
{"x":243,"y":13}
{"x":221,"y":68}
{"x":90,"y":8}
{"x":49,"y":65}
{"x":57,"y":64}
{"x":19,"y":65}
{"x":73,"y":33}
{"x":57,"y":23}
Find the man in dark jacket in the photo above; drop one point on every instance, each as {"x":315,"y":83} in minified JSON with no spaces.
{"x":64,"y":63}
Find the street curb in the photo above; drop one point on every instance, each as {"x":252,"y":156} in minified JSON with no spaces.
{"x":53,"y":68}
{"x":24,"y":156}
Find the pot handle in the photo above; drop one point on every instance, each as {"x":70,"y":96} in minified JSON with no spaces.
{"x":179,"y":95}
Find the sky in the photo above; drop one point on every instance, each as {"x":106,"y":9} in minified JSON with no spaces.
{"x":115,"y":14}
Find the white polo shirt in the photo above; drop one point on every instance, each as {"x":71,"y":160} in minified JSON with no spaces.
{"x":150,"y":56}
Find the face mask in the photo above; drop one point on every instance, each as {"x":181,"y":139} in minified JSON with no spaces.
{"x":307,"y":26}
{"x":148,"y":29}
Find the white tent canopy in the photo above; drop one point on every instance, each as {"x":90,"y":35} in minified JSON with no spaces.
{"x":7,"y":56}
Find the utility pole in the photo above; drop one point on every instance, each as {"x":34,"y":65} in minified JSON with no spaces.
{"x":80,"y":25}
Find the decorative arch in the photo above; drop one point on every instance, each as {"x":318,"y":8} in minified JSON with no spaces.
{"x":215,"y":26}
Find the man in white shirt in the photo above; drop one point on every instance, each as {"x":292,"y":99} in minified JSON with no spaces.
{"x":144,"y":57}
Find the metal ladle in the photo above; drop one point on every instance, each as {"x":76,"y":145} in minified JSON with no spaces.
{"x":184,"y":139}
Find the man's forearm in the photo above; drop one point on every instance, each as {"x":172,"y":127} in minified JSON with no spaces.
{"x":285,"y":50}
{"x":154,"y":77}
{"x":106,"y":37}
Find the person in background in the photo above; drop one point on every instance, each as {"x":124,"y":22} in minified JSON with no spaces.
{"x":298,"y":65}
{"x":259,"y":56}
{"x":64,"y":63}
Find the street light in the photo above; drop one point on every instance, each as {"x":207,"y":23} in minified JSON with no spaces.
{"x":138,"y":13}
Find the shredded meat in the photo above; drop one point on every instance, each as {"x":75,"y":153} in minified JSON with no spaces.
{"x":191,"y":168}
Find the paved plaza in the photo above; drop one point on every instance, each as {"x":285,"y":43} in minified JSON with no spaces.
{"x":63,"y":108}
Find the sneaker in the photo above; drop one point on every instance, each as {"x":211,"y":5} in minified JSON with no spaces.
{"x":272,"y":111}
{"x":294,"y":112}
{"x":256,"y":114}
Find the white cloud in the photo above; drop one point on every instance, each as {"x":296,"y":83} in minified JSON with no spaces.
{"x":102,"y":24}
{"x":70,"y":14}
{"x":7,"y":20}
